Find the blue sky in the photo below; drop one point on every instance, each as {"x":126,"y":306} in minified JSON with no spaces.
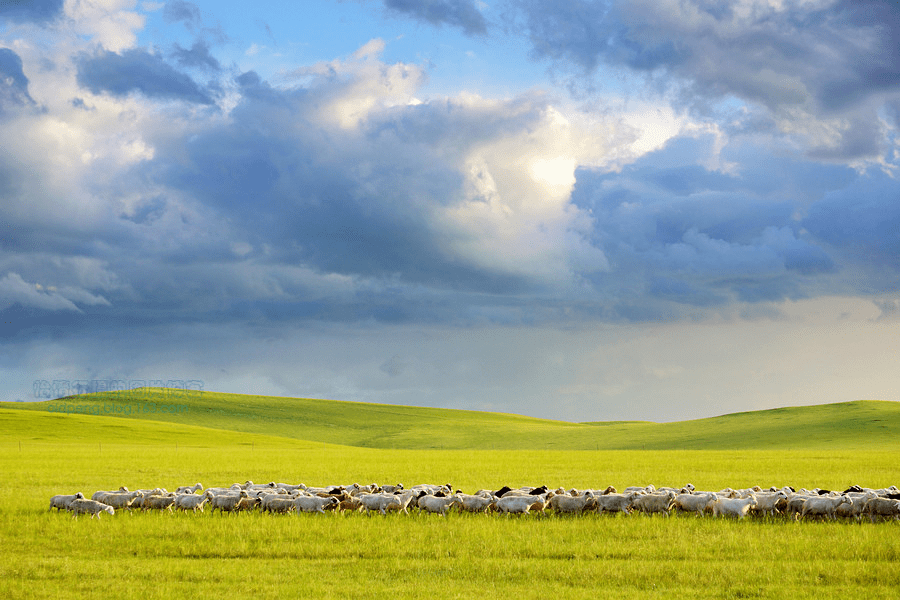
{"x":587,"y":210}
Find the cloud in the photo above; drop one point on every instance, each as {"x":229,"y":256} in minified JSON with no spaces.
{"x":862,"y":222}
{"x":109,"y":24}
{"x":179,"y":11}
{"x":821,"y":69}
{"x":463,"y":14}
{"x":13,"y":82}
{"x":197,"y":56}
{"x":137,"y":71}
{"x":459,"y":250}
{"x":347,"y":197}
{"x":15,"y":290}
{"x":680,"y":236}
{"x":32,"y":11}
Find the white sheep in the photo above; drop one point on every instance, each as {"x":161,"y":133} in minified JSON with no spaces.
{"x":882,"y":507}
{"x":695,"y":503}
{"x":315,"y":504}
{"x":123,"y":500}
{"x":659,"y":502}
{"x":81,"y":506}
{"x":519,"y":504}
{"x":99,"y":494}
{"x":573,"y":504}
{"x":189,"y":489}
{"x":158,"y":502}
{"x":733,"y":507}
{"x":614,"y":502}
{"x":191,"y":501}
{"x":62,"y":502}
{"x":439,"y":505}
{"x":278,"y":503}
{"x":823,"y":506}
{"x":378,"y":502}
{"x":767,"y":502}
{"x":474,"y":502}
{"x":854,"y":509}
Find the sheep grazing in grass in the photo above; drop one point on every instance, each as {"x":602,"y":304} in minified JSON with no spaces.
{"x":378,"y":502}
{"x":823,"y":506}
{"x":475,"y":503}
{"x":573,"y":504}
{"x":189,"y":489}
{"x":278,"y":504}
{"x":519,"y":504}
{"x":655,"y":503}
{"x":733,"y":507}
{"x":315,"y":504}
{"x":159,"y":502}
{"x":882,"y":508}
{"x":694,"y":503}
{"x":100,"y":494}
{"x":192,"y":502}
{"x":62,"y":502}
{"x":614,"y":502}
{"x":755,"y":501}
{"x":124,"y":500}
{"x":82,"y":506}
{"x":438,"y":505}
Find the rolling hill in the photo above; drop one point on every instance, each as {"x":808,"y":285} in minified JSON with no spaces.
{"x":209,"y":418}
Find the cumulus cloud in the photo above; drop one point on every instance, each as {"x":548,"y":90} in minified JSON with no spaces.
{"x":342,"y":200}
{"x":346,"y":196}
{"x":138,"y":71}
{"x":33,"y":11}
{"x":822,"y":69}
{"x":15,"y":290}
{"x":455,"y":13}
{"x":197,"y":56}
{"x":13,"y":83}
{"x":862,"y":221}
{"x":179,"y":11}
{"x":110,"y":24}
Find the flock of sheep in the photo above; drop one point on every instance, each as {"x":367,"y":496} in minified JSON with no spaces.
{"x":853,"y":503}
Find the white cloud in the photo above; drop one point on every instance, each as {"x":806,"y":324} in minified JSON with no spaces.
{"x":113,"y":24}
{"x":362,"y":85}
{"x":15,"y":290}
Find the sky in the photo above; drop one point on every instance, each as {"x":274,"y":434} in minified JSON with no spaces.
{"x":585,"y":210}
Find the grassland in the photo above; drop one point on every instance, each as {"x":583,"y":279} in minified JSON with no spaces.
{"x":864,"y":425}
{"x":48,"y":555}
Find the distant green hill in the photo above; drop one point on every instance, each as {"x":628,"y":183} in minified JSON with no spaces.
{"x":212,"y":416}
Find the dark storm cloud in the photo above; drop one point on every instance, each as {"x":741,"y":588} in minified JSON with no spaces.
{"x":35,"y":11}
{"x":863,"y":222}
{"x":137,"y":71}
{"x":455,"y":13}
{"x":687,"y":235}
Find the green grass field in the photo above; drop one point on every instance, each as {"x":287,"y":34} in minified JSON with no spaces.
{"x":864,"y":425}
{"x":218,"y":442}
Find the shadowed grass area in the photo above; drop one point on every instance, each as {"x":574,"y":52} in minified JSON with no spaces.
{"x":865,"y":424}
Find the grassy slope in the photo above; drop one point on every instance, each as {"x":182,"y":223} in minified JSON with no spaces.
{"x":595,"y":556}
{"x":872,"y":425}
